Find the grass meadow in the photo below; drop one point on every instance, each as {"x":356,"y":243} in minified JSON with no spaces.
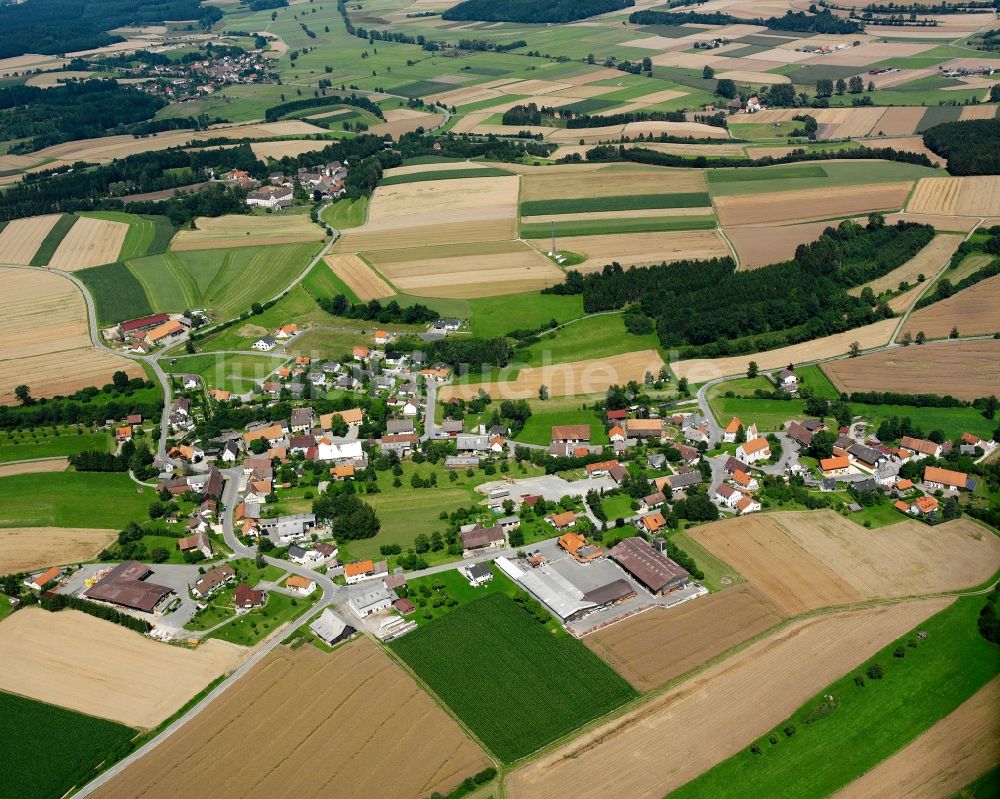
{"x":48,"y":750}
{"x":538,"y":427}
{"x":421,"y":177}
{"x":51,"y":442}
{"x":345,"y":214}
{"x":497,"y":316}
{"x":516,"y":685}
{"x":600,"y":227}
{"x":72,"y":499}
{"x":835,"y":742}
{"x":227,"y":372}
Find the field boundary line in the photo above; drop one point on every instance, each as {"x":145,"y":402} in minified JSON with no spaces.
{"x":145,"y":286}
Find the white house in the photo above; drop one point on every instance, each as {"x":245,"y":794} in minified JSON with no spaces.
{"x":728,"y":495}
{"x":477,"y":574}
{"x":748,"y":505}
{"x":264,"y":344}
{"x":410,"y":409}
{"x":787,"y":378}
{"x":332,"y":449}
{"x":376,"y":598}
{"x":300,"y":585}
{"x":270,"y":197}
{"x":753,"y":450}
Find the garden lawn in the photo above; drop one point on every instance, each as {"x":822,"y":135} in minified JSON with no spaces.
{"x":48,"y":750}
{"x":228,"y":372}
{"x":618,"y":506}
{"x":540,"y":686}
{"x":881,"y":515}
{"x":814,"y":377}
{"x":497,"y":316}
{"x":73,"y":499}
{"x":251,"y":627}
{"x":452,"y":585}
{"x":538,"y":427}
{"x":47,"y":445}
{"x":868,"y":723}
{"x":345,"y":214}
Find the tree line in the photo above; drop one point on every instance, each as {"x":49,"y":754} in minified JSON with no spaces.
{"x":972,"y":147}
{"x":276,"y":112}
{"x":57,"y":602}
{"x":373,"y":310}
{"x":822,"y":22}
{"x":708,"y":304}
{"x":532,"y":10}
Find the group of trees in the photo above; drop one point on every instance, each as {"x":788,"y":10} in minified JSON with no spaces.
{"x":710,"y":303}
{"x":80,"y":407}
{"x":971,"y":147}
{"x":130,"y":457}
{"x":276,"y":112}
{"x":823,"y":21}
{"x":57,"y":602}
{"x":350,"y":517}
{"x":532,"y":10}
{"x":375,"y":311}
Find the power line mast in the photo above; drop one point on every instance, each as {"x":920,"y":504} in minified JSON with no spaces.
{"x":554,"y":253}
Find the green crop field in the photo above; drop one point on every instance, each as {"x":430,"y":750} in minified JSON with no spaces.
{"x":48,"y":750}
{"x":345,"y":214}
{"x":323,"y":282}
{"x":450,"y":174}
{"x":598,"y":336}
{"x":838,"y":173}
{"x":538,"y":427}
{"x":600,"y":227}
{"x":46,"y":444}
{"x":777,"y":173}
{"x":228,"y":281}
{"x":814,"y":377}
{"x":833,"y":743}
{"x":52,"y":239}
{"x":146,"y":234}
{"x":497,"y":316}
{"x":116,"y":292}
{"x":627,"y":202}
{"x":72,"y":499}
{"x":537,"y":687}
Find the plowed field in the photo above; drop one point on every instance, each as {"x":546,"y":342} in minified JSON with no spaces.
{"x":27,"y":548}
{"x":975,"y":310}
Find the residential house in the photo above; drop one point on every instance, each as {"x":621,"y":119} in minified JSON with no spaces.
{"x":447,"y":325}
{"x":731,"y":430}
{"x":681,"y":482}
{"x":399,"y":426}
{"x":924,"y":506}
{"x":920,"y":447}
{"x":246,"y":598}
{"x":39,"y":581}
{"x":753,"y":450}
{"x":360,"y":353}
{"x":576,"y":545}
{"x":273,"y":434}
{"x":617,"y":416}
{"x":479,"y":539}
{"x":656,"y":460}
{"x":214,"y":579}
{"x":747,"y":505}
{"x":561,"y":521}
{"x":300,"y":585}
{"x":727,"y":495}
{"x":947,"y":479}
{"x":302,"y":419}
{"x":654,"y":500}
{"x":331,"y":628}
{"x":840,"y":464}
{"x":452,"y":427}
{"x":402,"y":444}
{"x":286,"y":331}
{"x":689,"y":455}
{"x":497,"y":444}
{"x":123,"y":434}
{"x":472,"y":442}
{"x":600,"y":469}
{"x":644,"y":428}
{"x":799,"y":434}
{"x":283,"y":530}
{"x":616,"y":434}
{"x":358,"y":571}
{"x":270,"y":197}
{"x":329,"y":448}
{"x":866,"y":457}
{"x":745,"y":481}
{"x":165,"y":332}
{"x":353,"y":417}
{"x":652,"y":523}
{"x":477,"y":574}
{"x":199,"y":541}
{"x":787,"y":379}
{"x":264,"y":344}
{"x":571,"y":434}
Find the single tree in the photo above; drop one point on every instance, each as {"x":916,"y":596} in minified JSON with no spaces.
{"x":855,"y":349}
{"x":907,"y":338}
{"x":647,"y":64}
{"x":119,"y":379}
{"x":752,"y":369}
{"x":921,"y":337}
{"x":856,"y":85}
{"x":954,"y":332}
{"x":841,"y":86}
{"x":543,"y":392}
{"x":23,"y":394}
{"x":708,"y":73}
{"x":824,"y":87}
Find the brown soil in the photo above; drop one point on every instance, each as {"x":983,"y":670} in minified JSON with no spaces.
{"x":26,"y":548}
{"x":34,"y":467}
{"x":756,"y":209}
{"x":975,"y":310}
{"x":350,"y":723}
{"x":767,"y":244}
{"x":21,"y":238}
{"x":663,"y":643}
{"x":967,"y":196}
{"x":359,"y":277}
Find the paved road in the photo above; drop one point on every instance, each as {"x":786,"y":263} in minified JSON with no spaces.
{"x":430,"y":410}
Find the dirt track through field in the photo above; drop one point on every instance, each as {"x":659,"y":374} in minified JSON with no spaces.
{"x":663,"y":643}
{"x":662,"y":745}
{"x":27,"y":548}
{"x":564,"y":379}
{"x":44,"y":335}
{"x":698,"y":370}
{"x":784,"y":206}
{"x":928,"y":262}
{"x":975,"y":310}
{"x":967,"y":370}
{"x":21,"y":238}
{"x":802,"y":561}
{"x":87,"y":664}
{"x":90,"y":242}
{"x":959,"y":748}
{"x":359,"y":277}
{"x":351,"y":723}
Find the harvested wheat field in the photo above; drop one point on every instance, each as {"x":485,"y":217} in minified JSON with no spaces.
{"x":641,"y":249}
{"x":238,"y":230}
{"x":899,"y":121}
{"x":786,"y":206}
{"x":638,"y":213}
{"x":941,"y":223}
{"x":928,"y":262}
{"x":21,"y":238}
{"x":592,"y":376}
{"x":971,"y":196}
{"x":770,"y":244}
{"x":419,"y":169}
{"x":349,"y":711}
{"x":389,"y":236}
{"x":490,"y":195}
{"x":907,"y":144}
{"x":802,"y":561}
{"x":359,"y":277}
{"x":26,"y":548}
{"x":87,"y":664}
{"x":698,"y":370}
{"x":610,"y":183}
{"x":45,"y":334}
{"x":981,"y":111}
{"x":663,"y":643}
{"x":965,"y":369}
{"x":90,"y":242}
{"x":974,"y":311}
{"x":962,"y":746}
{"x":34,"y":467}
{"x":398,"y":126}
{"x":702,"y":721}
{"x":291,"y":148}
{"x":462,"y":271}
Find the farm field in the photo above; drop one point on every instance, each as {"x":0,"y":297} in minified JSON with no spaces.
{"x":545,"y":706}
{"x":35,"y":731}
{"x":360,"y":710}
{"x":34,"y":467}
{"x":661,"y":644}
{"x":929,"y":261}
{"x":117,"y":293}
{"x":963,"y":196}
{"x":608,"y":183}
{"x":465,"y":271}
{"x":21,"y":238}
{"x":497,"y":316}
{"x":27,"y":548}
{"x":72,"y":499}
{"x":869,"y":723}
{"x":804,"y":204}
{"x":246,"y":231}
{"x":699,"y":370}
{"x":346,"y":213}
{"x":718,"y":712}
{"x":760,"y":245}
{"x":564,"y":379}
{"x":90,"y":242}
{"x":944,"y":759}
{"x":600,"y":335}
{"x":45,"y":335}
{"x":46,"y":444}
{"x":62,"y":658}
{"x":802,"y":561}
{"x":640,"y":249}
{"x":227,"y":281}
{"x":966,"y":369}
{"x":145,"y":233}
{"x":975,"y":310}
